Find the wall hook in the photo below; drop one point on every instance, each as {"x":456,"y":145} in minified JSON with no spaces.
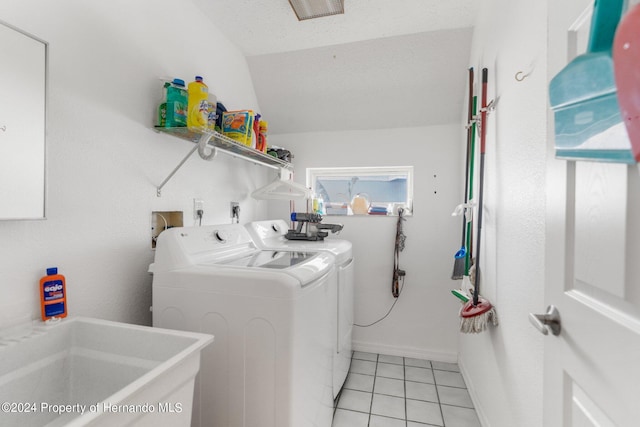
{"x":3,"y":128}
{"x":521,"y":75}
{"x":491,"y":106}
{"x":525,"y":72}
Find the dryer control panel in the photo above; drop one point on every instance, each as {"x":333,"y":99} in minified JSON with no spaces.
{"x":184,"y":246}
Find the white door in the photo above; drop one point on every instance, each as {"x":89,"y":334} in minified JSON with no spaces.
{"x":592,"y":368}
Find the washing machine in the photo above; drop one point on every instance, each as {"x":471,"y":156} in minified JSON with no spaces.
{"x":270,"y":364}
{"x":270,"y":235}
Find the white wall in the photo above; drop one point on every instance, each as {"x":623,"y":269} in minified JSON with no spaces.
{"x":503,"y":366}
{"x":104,"y":161}
{"x":424,"y":322}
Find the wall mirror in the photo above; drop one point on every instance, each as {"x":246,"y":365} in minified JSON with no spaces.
{"x":23,"y":87}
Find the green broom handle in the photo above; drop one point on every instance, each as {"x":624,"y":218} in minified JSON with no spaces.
{"x":466,"y":177}
{"x":469,"y":246}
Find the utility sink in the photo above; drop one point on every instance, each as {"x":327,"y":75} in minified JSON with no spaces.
{"x":89,"y":372}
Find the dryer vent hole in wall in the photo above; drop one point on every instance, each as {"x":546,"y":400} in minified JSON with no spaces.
{"x":163,"y":220}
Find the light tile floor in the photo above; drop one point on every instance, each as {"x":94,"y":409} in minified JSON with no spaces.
{"x":392,"y":391}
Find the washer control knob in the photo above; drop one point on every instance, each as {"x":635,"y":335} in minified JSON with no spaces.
{"x":221,"y":236}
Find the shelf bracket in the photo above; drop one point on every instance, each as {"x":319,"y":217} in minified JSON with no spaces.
{"x":173,"y":172}
{"x":202,"y":151}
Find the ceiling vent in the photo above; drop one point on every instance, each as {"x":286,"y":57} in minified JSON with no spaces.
{"x":308,"y":9}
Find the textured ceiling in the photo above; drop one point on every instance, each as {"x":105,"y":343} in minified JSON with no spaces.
{"x":382,"y":64}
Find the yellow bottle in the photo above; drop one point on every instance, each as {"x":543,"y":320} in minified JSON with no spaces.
{"x":261,"y":145}
{"x":198,"y":107}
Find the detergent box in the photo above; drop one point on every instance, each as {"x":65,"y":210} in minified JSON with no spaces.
{"x":238,"y":125}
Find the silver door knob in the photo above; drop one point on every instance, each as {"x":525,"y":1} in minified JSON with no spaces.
{"x":549,"y":320}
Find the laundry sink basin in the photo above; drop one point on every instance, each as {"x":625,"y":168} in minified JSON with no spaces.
{"x":89,"y":372}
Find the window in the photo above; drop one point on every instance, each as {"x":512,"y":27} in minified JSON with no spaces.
{"x":363,"y":190}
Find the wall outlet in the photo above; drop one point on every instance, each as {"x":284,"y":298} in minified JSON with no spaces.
{"x":233,"y":210}
{"x":198,"y":205}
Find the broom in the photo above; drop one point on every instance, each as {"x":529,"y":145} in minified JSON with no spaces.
{"x":477,"y":313}
{"x":469,"y":260}
{"x":460,"y":264}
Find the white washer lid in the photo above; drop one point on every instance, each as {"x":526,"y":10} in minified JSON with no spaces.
{"x":229,"y":246}
{"x":270,"y":235}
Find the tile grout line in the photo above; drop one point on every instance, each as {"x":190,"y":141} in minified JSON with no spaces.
{"x":375,"y":375}
{"x":404,"y":365}
{"x":404,"y":383}
{"x":435,"y":383}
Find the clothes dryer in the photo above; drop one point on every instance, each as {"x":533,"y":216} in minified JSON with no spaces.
{"x":270,"y":235}
{"x":270,"y":364}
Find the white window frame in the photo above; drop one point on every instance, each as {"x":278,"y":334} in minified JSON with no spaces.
{"x":346,"y":172}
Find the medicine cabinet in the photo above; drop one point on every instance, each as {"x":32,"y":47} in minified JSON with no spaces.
{"x":23,"y":85}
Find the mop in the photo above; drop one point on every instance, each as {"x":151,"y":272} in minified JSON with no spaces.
{"x":476,"y":314}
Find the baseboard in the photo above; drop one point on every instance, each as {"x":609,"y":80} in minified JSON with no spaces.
{"x":482,"y":417}
{"x":417,"y":353}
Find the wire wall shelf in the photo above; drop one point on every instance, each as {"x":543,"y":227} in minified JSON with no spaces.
{"x":213,"y":142}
